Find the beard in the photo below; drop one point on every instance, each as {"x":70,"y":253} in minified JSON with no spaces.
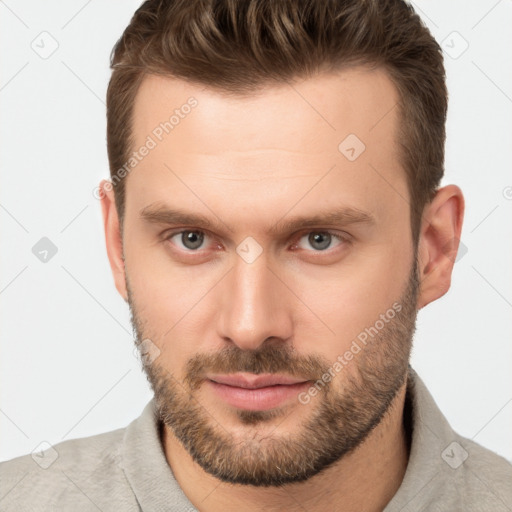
{"x":341,"y":419}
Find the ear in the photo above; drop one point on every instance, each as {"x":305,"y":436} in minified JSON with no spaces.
{"x":439,"y":239}
{"x":113,"y":236}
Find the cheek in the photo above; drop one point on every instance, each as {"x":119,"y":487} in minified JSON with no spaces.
{"x":341,"y":302}
{"x":161,"y":282}
{"x":173,"y":303}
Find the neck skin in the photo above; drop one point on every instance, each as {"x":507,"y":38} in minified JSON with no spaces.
{"x":365,"y":479}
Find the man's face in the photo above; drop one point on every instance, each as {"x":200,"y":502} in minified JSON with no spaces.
{"x":255,"y":293}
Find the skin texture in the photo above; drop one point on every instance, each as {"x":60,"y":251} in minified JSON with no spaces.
{"x":249,"y":164}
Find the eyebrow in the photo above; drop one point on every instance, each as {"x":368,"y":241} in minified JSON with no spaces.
{"x":158,"y":213}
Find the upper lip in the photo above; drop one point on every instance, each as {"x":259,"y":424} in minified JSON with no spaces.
{"x":252,"y":381}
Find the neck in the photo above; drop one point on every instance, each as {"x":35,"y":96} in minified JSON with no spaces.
{"x":365,"y":479}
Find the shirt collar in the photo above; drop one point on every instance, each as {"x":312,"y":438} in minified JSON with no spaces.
{"x":431,"y":434}
{"x":146,"y":466}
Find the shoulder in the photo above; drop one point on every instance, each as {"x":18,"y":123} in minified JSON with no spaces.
{"x":480,"y":475}
{"x":86,"y":471}
{"x":447,"y":471}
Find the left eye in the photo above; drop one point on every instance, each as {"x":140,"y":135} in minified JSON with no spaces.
{"x":320,"y":240}
{"x":189,"y":239}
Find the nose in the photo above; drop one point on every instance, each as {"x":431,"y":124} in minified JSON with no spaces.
{"x":254,"y":305}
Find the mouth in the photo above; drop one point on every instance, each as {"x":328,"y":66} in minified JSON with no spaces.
{"x":256,"y":392}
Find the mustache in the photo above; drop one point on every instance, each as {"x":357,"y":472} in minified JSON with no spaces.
{"x":268,"y":359}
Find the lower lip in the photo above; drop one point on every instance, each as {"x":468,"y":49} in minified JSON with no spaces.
{"x":260,"y":399}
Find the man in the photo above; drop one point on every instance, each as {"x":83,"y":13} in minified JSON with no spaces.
{"x":274,"y":221}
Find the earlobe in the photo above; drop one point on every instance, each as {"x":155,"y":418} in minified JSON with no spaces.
{"x":439,"y":241}
{"x":113,"y":237}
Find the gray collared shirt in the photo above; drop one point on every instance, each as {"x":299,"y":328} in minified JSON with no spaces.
{"x":126,"y":470}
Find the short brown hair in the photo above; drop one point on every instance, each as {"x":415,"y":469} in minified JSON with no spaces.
{"x":238,"y":46}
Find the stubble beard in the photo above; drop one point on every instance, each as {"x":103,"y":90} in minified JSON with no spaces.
{"x":343,"y":416}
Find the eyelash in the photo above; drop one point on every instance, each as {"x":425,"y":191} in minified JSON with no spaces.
{"x":343,"y":239}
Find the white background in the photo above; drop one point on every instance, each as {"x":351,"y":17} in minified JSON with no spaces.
{"x":67,"y":366}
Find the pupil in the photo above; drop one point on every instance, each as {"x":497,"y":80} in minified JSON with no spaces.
{"x":320,"y":240}
{"x":192,"y":239}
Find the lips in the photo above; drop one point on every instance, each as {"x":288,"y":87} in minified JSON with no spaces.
{"x":251,"y":381}
{"x":252,"y":392}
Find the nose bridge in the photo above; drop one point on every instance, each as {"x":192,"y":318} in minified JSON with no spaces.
{"x":252,"y":308}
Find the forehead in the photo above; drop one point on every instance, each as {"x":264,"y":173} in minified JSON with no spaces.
{"x":355,"y":99}
{"x":277,"y":141}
